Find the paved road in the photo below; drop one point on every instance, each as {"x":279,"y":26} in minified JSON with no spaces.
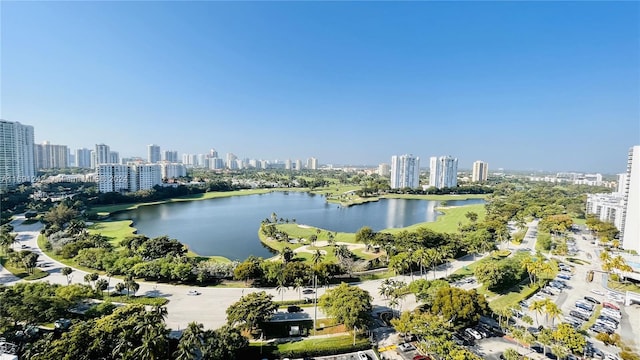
{"x":209,"y":307}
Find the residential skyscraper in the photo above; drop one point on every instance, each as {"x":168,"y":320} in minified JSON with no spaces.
{"x":117,"y":177}
{"x":630,"y":224}
{"x":103,"y":154}
{"x":405,"y":171}
{"x":443,"y":172}
{"x":17,"y":161}
{"x":114,"y":157}
{"x":170,"y":156}
{"x":83,"y":158}
{"x":153,"y":153}
{"x":480,"y":171}
{"x":48,"y":156}
{"x":312,"y":163}
{"x":384,"y":169}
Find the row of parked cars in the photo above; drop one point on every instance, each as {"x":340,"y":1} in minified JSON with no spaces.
{"x":470,"y":335}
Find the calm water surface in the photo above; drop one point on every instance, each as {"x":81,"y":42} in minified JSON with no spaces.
{"x":229,"y":226}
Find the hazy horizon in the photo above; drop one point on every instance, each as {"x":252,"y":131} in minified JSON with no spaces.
{"x":525,"y":86}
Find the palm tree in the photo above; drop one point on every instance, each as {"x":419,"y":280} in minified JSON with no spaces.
{"x":298,"y":283}
{"x":66,"y":271}
{"x":281,"y":283}
{"x":101,"y":285}
{"x":551,"y":310}
{"x":190,"y":342}
{"x":7,"y":240}
{"x":537,"y":307}
{"x":318,"y":256}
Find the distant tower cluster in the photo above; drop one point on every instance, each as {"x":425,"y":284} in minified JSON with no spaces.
{"x":443,"y":172}
{"x":480,"y":171}
{"x":48,"y":156}
{"x":405,"y":172}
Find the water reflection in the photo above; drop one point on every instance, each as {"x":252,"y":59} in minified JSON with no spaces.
{"x":229,"y":226}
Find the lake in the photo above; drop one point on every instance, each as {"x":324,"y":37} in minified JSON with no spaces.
{"x":229,"y":226}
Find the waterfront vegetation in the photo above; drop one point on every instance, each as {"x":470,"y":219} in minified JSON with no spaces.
{"x":114,"y":248}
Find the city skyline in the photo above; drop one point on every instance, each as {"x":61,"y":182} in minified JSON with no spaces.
{"x":524,"y":86}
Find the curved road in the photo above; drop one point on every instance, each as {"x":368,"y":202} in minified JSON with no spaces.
{"x":209,"y":307}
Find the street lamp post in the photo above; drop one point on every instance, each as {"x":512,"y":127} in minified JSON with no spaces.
{"x":315,"y":302}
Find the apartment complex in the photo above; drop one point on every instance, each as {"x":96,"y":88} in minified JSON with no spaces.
{"x":118,"y":177}
{"x":443,"y":172}
{"x":480,"y":171}
{"x":17,"y":161}
{"x":607,"y":207}
{"x":405,"y":171}
{"x":384,"y":170}
{"x":630,"y":219}
{"x":312,"y":163}
{"x":48,"y":156}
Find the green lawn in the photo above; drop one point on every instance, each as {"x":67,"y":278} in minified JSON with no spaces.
{"x":116,"y":231}
{"x":22,"y":273}
{"x":513,"y":297}
{"x":435,"y":197}
{"x":448,"y":222}
{"x":144,"y":300}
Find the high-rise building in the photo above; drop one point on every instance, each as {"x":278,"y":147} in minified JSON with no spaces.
{"x":312,"y":163}
{"x":48,"y":156}
{"x":170,"y":156}
{"x":630,"y":224}
{"x":480,"y":171}
{"x":17,"y":161}
{"x":405,"y":171}
{"x":384,"y":169}
{"x":298,"y":165}
{"x":287,"y":164}
{"x":114,"y":157}
{"x":231,"y":161}
{"x":103,"y":154}
{"x":213,"y":153}
{"x":622,"y":183}
{"x":118,"y":178}
{"x":173,"y":170}
{"x":443,"y":172}
{"x":153,"y":153}
{"x":114,"y":178}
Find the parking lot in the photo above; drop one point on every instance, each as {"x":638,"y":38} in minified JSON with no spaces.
{"x":578,"y":298}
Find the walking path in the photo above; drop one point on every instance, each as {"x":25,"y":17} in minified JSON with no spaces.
{"x":208,"y":308}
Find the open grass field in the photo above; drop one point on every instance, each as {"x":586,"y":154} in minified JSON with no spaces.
{"x":449,"y":222}
{"x":116,"y":231}
{"x":334,"y":342}
{"x":435,"y":197}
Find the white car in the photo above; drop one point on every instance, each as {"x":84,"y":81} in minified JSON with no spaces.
{"x":476,"y":335}
{"x":599,"y":292}
{"x":362,"y":356}
{"x":193,"y":292}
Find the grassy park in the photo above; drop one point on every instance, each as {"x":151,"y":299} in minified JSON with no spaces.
{"x":21,"y":272}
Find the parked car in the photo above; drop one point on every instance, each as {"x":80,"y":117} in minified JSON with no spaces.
{"x":294,"y":309}
{"x":612,"y":313}
{"x":406,"y":347}
{"x":584,"y":305}
{"x":193,"y":292}
{"x":309,"y":291}
{"x":610,"y":306}
{"x":362,"y":355}
{"x":591,"y":300}
{"x":564,"y":277}
{"x":476,"y":335}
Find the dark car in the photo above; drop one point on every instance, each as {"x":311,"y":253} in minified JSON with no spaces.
{"x":294,"y":309}
{"x":308,"y":291}
{"x":537,"y":348}
{"x":591,"y":300}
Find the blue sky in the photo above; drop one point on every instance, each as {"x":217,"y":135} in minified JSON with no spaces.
{"x":521,"y":85}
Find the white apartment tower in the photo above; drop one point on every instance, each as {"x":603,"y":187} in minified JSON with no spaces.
{"x":405,"y":172}
{"x":443,"y":172}
{"x":312,"y":163}
{"x":17,"y":161}
{"x":170,"y":156}
{"x":103,"y":154}
{"x":83,"y":158}
{"x":145,"y":176}
{"x":480,"y":171}
{"x":631,"y":216}
{"x":48,"y":156}
{"x":114,"y":157}
{"x":114,"y":177}
{"x":153,"y":153}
